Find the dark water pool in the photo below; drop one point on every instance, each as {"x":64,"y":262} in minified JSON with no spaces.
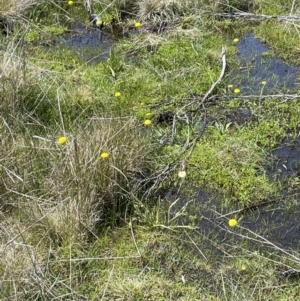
{"x":276,"y":220}
{"x":257,"y":64}
{"x":90,"y":44}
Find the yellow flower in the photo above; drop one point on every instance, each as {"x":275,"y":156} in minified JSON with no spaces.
{"x":70,"y":3}
{"x":235,"y":40}
{"x":137,"y":24}
{"x":236,"y":91}
{"x":182,"y":174}
{"x":104,"y":155}
{"x":263,"y":82}
{"x":232,"y":222}
{"x":148,"y":114}
{"x":147,"y":122}
{"x":243,"y":268}
{"x":99,"y":22}
{"x":118,"y":94}
{"x":230,"y":86}
{"x":62,"y":140}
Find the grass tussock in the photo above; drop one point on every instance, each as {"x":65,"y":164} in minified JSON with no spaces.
{"x":96,"y":188}
{"x":12,"y":12}
{"x":15,"y":8}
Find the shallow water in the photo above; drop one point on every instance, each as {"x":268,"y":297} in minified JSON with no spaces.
{"x":257,"y":64}
{"x":90,"y":44}
{"x":276,"y":220}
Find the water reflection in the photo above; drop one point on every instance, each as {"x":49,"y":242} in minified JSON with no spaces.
{"x":90,"y":44}
{"x":257,"y":64}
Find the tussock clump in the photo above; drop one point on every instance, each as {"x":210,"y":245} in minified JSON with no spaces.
{"x":15,"y":80}
{"x":167,"y":9}
{"x":58,"y":195}
{"x":12,"y":75}
{"x":125,"y":6}
{"x":20,"y":87}
{"x":160,"y":14}
{"x":166,"y":15}
{"x":12,"y":11}
{"x":86,"y":187}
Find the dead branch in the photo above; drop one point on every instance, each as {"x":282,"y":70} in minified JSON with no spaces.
{"x":166,"y":170}
{"x":255,"y":17}
{"x":223,"y":57}
{"x":283,"y":97}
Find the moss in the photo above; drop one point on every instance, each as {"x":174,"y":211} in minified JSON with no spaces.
{"x":232,"y":164}
{"x":55,"y":30}
{"x":32,"y":36}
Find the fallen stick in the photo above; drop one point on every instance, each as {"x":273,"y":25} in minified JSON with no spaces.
{"x":254,"y":17}
{"x":223,"y":57}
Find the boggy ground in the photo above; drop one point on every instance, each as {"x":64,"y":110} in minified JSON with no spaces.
{"x":133,"y":202}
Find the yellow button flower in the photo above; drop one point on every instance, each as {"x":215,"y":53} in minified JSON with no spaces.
{"x":70,"y":3}
{"x":230,"y":86}
{"x":99,"y":22}
{"x":263,"y":82}
{"x":236,"y":91}
{"x":118,"y":94}
{"x":137,"y":24}
{"x":147,"y":122}
{"x":235,"y":40}
{"x":232,"y":223}
{"x":182,"y":174}
{"x":62,"y":140}
{"x":104,"y":155}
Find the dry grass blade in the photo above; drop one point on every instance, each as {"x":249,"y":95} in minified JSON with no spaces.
{"x":12,"y":10}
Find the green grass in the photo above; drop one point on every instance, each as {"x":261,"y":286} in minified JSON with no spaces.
{"x":283,"y":39}
{"x":77,"y":226}
{"x":232,"y":164}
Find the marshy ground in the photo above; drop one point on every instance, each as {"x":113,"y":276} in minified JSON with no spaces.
{"x":126,"y":151}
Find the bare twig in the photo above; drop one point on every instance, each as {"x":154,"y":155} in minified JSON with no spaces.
{"x":37,"y":221}
{"x":247,"y":208}
{"x":59,"y":110}
{"x":188,"y":145}
{"x":133,"y":237}
{"x":201,"y":104}
{"x":108,"y":280}
{"x":95,"y":258}
{"x":255,"y":17}
{"x":223,"y":57}
{"x":195,"y":245}
{"x":259,"y":239}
